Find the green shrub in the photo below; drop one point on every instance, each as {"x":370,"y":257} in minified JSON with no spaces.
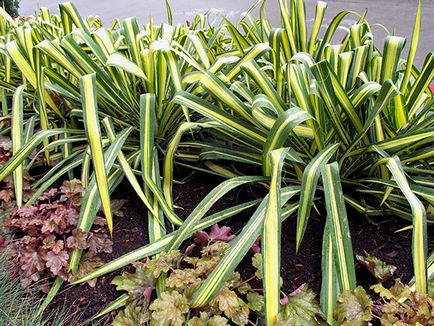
{"x":11,"y":7}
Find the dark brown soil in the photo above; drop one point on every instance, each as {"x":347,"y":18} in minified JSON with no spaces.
{"x":377,"y":237}
{"x":131,"y":234}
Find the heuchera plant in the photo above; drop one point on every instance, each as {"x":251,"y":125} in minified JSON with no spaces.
{"x":182,"y":273}
{"x":45,"y":234}
{"x":395,"y":306}
{"x":7,"y":195}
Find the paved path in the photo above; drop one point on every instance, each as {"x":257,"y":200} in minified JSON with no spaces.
{"x":395,"y":15}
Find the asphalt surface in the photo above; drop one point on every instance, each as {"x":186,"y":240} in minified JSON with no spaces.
{"x":397,"y":16}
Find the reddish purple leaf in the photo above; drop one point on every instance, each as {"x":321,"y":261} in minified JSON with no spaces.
{"x":217,"y":234}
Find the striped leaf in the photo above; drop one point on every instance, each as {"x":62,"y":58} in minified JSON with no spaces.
{"x":271,"y":237}
{"x":393,"y":46}
{"x":91,"y":121}
{"x":308,"y":187}
{"x":212,"y":112}
{"x":147,"y":116}
{"x":114,"y":305}
{"x":329,"y":280}
{"x":17,"y":141}
{"x":419,"y":237}
{"x":237,"y":250}
{"x":126,"y":168}
{"x":412,"y":50}
{"x":339,"y":231}
{"x":24,"y":152}
{"x":92,"y":202}
{"x":158,"y":246}
{"x":279,"y":134}
{"x":206,"y":203}
{"x":118,"y":60}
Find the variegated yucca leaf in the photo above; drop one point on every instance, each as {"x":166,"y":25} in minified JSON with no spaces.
{"x":420,"y":240}
{"x":91,"y":119}
{"x":201,"y":209}
{"x":308,"y":187}
{"x":338,"y":228}
{"x":92,"y":201}
{"x":271,"y":237}
{"x":329,"y":279}
{"x":17,"y":134}
{"x":238,"y":249}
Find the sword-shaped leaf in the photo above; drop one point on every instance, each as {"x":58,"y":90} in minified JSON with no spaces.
{"x":308,"y":188}
{"x":17,"y":141}
{"x":271,"y":237}
{"x":91,"y":122}
{"x":237,"y":250}
{"x":419,"y":237}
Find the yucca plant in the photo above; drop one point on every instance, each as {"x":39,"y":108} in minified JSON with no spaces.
{"x":82,"y":84}
{"x":296,"y":106}
{"x":368,"y":112}
{"x":57,"y":55}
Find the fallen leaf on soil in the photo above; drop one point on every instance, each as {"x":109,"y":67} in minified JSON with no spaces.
{"x":377,"y":267}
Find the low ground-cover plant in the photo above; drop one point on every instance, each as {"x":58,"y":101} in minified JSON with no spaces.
{"x":19,"y":305}
{"x":177,"y":275}
{"x":184,"y":274}
{"x":396,"y":305}
{"x":323,"y":124}
{"x":44,"y":234}
{"x":378,"y":268}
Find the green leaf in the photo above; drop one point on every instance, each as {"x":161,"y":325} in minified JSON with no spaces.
{"x":24,"y":152}
{"x":201,"y":209}
{"x":398,"y":291}
{"x":255,"y":301}
{"x":338,"y":226}
{"x":17,"y":136}
{"x":271,"y":237}
{"x":91,"y":201}
{"x":116,"y":304}
{"x":134,"y":283}
{"x":257,"y":263}
{"x":135,"y":313}
{"x":329,"y":280}
{"x":90,"y":108}
{"x":419,"y":236}
{"x":280,"y":132}
{"x":301,"y":309}
{"x":308,"y":188}
{"x":377,"y":267}
{"x":353,"y":308}
{"x":237,"y":250}
{"x":118,"y":60}
{"x":413,"y":47}
{"x":205,"y":319}
{"x":228,"y":302}
{"x":158,"y":246}
{"x":170,"y":308}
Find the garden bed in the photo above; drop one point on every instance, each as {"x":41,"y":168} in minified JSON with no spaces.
{"x":376,"y":236}
{"x":337,"y":138}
